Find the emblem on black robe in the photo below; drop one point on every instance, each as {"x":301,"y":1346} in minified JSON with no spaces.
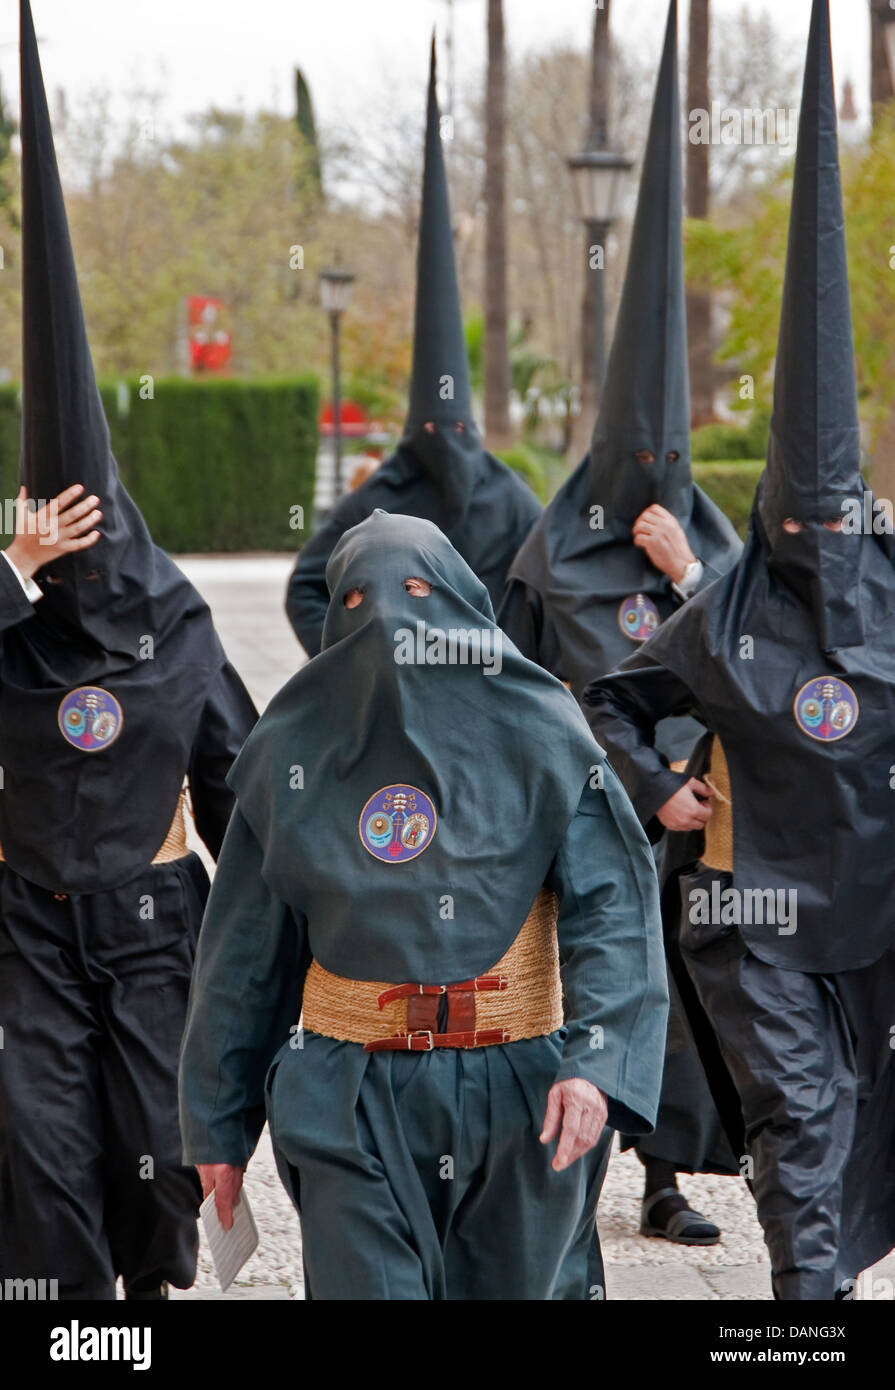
{"x":826,"y":709}
{"x":90,"y":718}
{"x":397,"y":823}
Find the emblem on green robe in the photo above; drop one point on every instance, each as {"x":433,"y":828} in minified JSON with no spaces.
{"x":397,"y":823}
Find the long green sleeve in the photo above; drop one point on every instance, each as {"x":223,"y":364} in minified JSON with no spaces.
{"x":245,"y":996}
{"x":612,"y":957}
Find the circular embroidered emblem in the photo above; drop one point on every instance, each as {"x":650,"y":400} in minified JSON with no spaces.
{"x":638,"y":617}
{"x":397,"y":823}
{"x":826,"y":709}
{"x":90,"y":718}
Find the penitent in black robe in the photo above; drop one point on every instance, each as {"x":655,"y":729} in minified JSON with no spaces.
{"x":581,"y":596}
{"x":114,"y":688}
{"x":440,"y":471}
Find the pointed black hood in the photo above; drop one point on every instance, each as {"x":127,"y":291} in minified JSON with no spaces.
{"x":440,"y":393}
{"x":581,"y":562}
{"x":444,"y":474}
{"x":133,"y":589}
{"x":103,"y":685}
{"x":813,"y":463}
{"x":646,"y":395}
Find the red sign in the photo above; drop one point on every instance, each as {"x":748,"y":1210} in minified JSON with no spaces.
{"x":210,"y":343}
{"x":354,"y":420}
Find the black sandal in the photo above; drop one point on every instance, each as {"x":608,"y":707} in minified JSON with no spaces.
{"x":684,"y":1226}
{"x":154,"y":1295}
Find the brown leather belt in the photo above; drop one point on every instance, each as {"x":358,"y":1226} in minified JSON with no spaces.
{"x":424,"y":1040}
{"x":423,"y":1004}
{"x":482,"y":982}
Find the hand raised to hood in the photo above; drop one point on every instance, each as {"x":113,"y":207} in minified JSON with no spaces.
{"x":60,"y":527}
{"x":663,"y":538}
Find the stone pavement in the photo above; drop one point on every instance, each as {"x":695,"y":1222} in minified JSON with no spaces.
{"x":246,"y":596}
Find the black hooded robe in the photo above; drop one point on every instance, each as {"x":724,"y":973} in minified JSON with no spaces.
{"x":576,"y":587}
{"x":114,"y":688}
{"x":806,"y":1041}
{"x":93,"y":993}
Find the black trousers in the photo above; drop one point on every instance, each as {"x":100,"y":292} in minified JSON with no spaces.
{"x":93,"y":995}
{"x":812,"y":1061}
{"x":688,"y":1132}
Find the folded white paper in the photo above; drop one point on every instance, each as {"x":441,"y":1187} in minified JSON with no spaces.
{"x":229,"y":1249}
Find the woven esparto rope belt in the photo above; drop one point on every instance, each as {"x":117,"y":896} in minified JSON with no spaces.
{"x":529,"y":1007}
{"x":718,"y":853}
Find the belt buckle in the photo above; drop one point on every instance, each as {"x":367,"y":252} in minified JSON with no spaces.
{"x":421,"y":1033}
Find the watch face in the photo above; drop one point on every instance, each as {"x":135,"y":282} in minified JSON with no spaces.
{"x":686,"y":585}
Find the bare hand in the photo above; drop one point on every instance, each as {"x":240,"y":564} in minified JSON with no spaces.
{"x":225,"y":1182}
{"x":684,"y":810}
{"x":663,"y":538}
{"x":583,"y":1110}
{"x":58,"y":528}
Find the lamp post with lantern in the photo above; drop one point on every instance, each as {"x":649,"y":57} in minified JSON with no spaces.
{"x":882,"y":52}
{"x":599,"y":177}
{"x":336,"y":289}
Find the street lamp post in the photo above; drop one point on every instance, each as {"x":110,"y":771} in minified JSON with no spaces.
{"x":599,"y":176}
{"x":885,"y":14}
{"x":336,"y":288}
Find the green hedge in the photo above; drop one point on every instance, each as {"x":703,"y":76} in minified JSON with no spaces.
{"x":213,"y":465}
{"x":731,"y":486}
{"x":525,"y":461}
{"x":10,"y":444}
{"x":730,"y":443}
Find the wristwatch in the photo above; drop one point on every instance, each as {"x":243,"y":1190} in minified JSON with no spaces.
{"x":689,"y":581}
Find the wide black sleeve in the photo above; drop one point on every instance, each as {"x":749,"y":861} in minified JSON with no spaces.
{"x":307,"y":597}
{"x":15,"y":606}
{"x":521,"y":616}
{"x":227,"y":720}
{"x":623,"y":710}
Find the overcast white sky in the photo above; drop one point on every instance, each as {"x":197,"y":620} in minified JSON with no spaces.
{"x":242,"y":52}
